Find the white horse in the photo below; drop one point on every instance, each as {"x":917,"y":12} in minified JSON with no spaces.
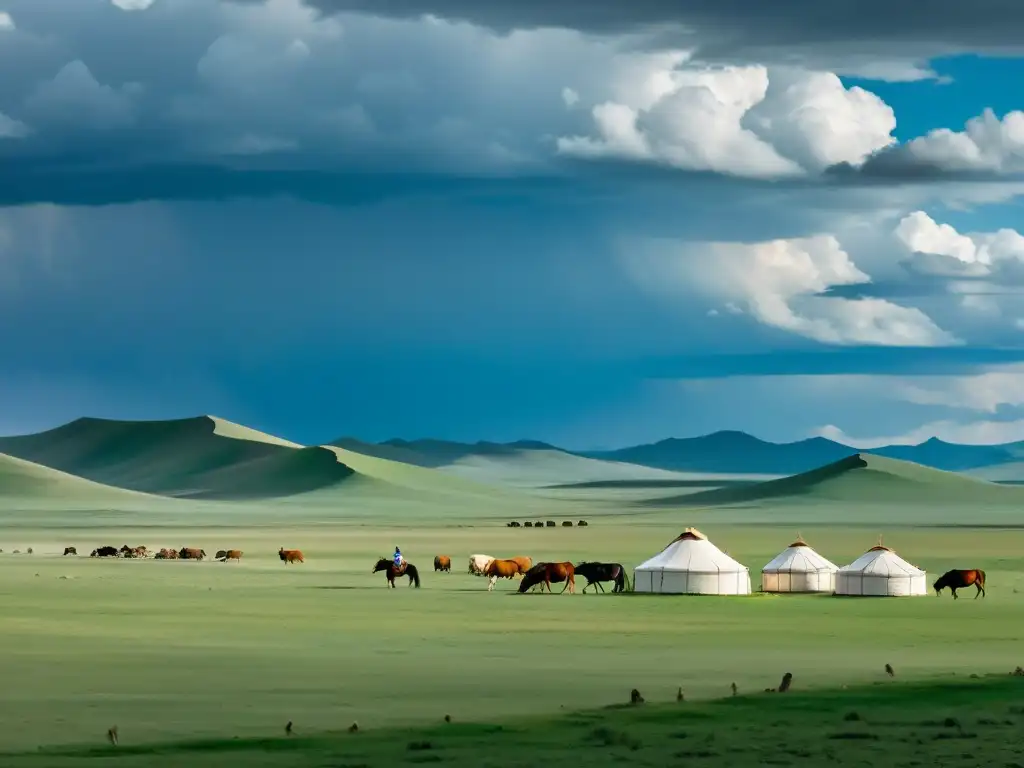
{"x":478,"y":564}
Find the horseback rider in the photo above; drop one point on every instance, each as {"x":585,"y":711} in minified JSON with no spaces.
{"x":399,"y":560}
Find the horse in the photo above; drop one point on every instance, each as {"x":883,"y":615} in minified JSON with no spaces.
{"x":191,"y":553}
{"x":442,"y":563}
{"x":525,"y":563}
{"x":501,"y":569}
{"x":70,"y":551}
{"x":550,"y":572}
{"x":104,"y":552}
{"x":387,"y":565}
{"x":958,"y":579}
{"x":478,"y":563}
{"x":229,"y":554}
{"x":290,"y":556}
{"x":595,"y":573}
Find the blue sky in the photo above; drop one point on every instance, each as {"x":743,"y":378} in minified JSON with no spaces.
{"x":594,"y":224}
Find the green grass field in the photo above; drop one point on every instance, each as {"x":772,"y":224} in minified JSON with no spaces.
{"x":184,"y":650}
{"x":198,"y":663}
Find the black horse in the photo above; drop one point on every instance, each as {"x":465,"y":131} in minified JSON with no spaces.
{"x":595,"y":573}
{"x":388,"y":566}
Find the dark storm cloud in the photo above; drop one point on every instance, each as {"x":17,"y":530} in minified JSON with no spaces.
{"x":737,"y":24}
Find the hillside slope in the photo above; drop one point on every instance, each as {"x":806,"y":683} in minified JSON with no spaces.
{"x":861,"y":479}
{"x":201,"y":457}
{"x":23,"y":480}
{"x":524,"y":464}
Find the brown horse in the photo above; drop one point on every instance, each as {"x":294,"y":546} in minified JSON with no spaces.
{"x":958,"y":579}
{"x":388,"y":566}
{"x":291,"y":555}
{"x":501,"y":569}
{"x":525,"y":563}
{"x":545,"y":573}
{"x":442,"y":563}
{"x":230,"y":554}
{"x":191,"y":553}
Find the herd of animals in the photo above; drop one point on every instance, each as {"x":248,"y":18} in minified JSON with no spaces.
{"x":532,"y":574}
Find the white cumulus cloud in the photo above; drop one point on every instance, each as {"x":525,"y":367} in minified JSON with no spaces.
{"x":779,"y":283}
{"x":748,"y":121}
{"x":939,"y":249}
{"x":987,"y":143}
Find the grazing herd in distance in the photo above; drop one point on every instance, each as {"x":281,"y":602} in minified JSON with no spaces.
{"x":545,"y":524}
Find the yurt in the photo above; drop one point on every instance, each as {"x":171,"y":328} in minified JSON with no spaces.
{"x":692,"y":565}
{"x":798,"y":568}
{"x":880,"y":572}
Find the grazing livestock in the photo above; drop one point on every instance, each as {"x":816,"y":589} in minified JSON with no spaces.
{"x":513,"y":524}
{"x":166,"y":554}
{"x":545,"y":573}
{"x":550,"y":523}
{"x":140,"y":551}
{"x":478,"y":564}
{"x":525,"y":563}
{"x":125,"y":551}
{"x":70,"y":551}
{"x":595,"y":573}
{"x":290,"y":555}
{"x":191,"y":553}
{"x":500,"y":569}
{"x":958,"y":579}
{"x":527,"y":524}
{"x":567,"y":523}
{"x":582,"y":524}
{"x":220,"y":554}
{"x":104,"y":552}
{"x":442,"y":563}
{"x":387,"y":565}
{"x":229,"y":554}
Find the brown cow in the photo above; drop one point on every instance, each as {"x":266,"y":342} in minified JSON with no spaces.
{"x":291,"y":555}
{"x":500,"y":569}
{"x":191,"y":553}
{"x":442,"y":563}
{"x":230,"y":554}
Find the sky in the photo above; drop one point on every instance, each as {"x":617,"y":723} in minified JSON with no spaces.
{"x":590,"y":222}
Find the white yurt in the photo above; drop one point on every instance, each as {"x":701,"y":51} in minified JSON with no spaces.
{"x":692,"y":565}
{"x":880,"y":572}
{"x":798,"y":568}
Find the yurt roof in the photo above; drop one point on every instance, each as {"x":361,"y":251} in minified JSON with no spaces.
{"x":692,"y":552}
{"x":801,"y":557}
{"x":882,"y":561}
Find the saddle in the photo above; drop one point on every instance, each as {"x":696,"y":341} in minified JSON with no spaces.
{"x":400,"y":571}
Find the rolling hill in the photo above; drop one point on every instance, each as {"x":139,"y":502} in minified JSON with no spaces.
{"x":201,"y":457}
{"x":522,"y":464}
{"x":207,"y":457}
{"x":859,"y":479}
{"x":23,"y":480}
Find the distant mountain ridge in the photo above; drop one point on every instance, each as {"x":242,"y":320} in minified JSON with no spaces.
{"x":723,"y":452}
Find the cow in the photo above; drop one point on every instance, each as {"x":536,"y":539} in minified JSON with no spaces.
{"x":550,"y":523}
{"x":527,"y":524}
{"x":478,"y":563}
{"x":567,"y":523}
{"x":582,"y":524}
{"x":291,"y":555}
{"x":70,"y":551}
{"x":229,"y":554}
{"x":442,"y":563}
{"x":104,"y":552}
{"x":191,"y":553}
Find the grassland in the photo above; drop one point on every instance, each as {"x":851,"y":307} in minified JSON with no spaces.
{"x":201,"y":662}
{"x":179,"y":650}
{"x":953,"y":722}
